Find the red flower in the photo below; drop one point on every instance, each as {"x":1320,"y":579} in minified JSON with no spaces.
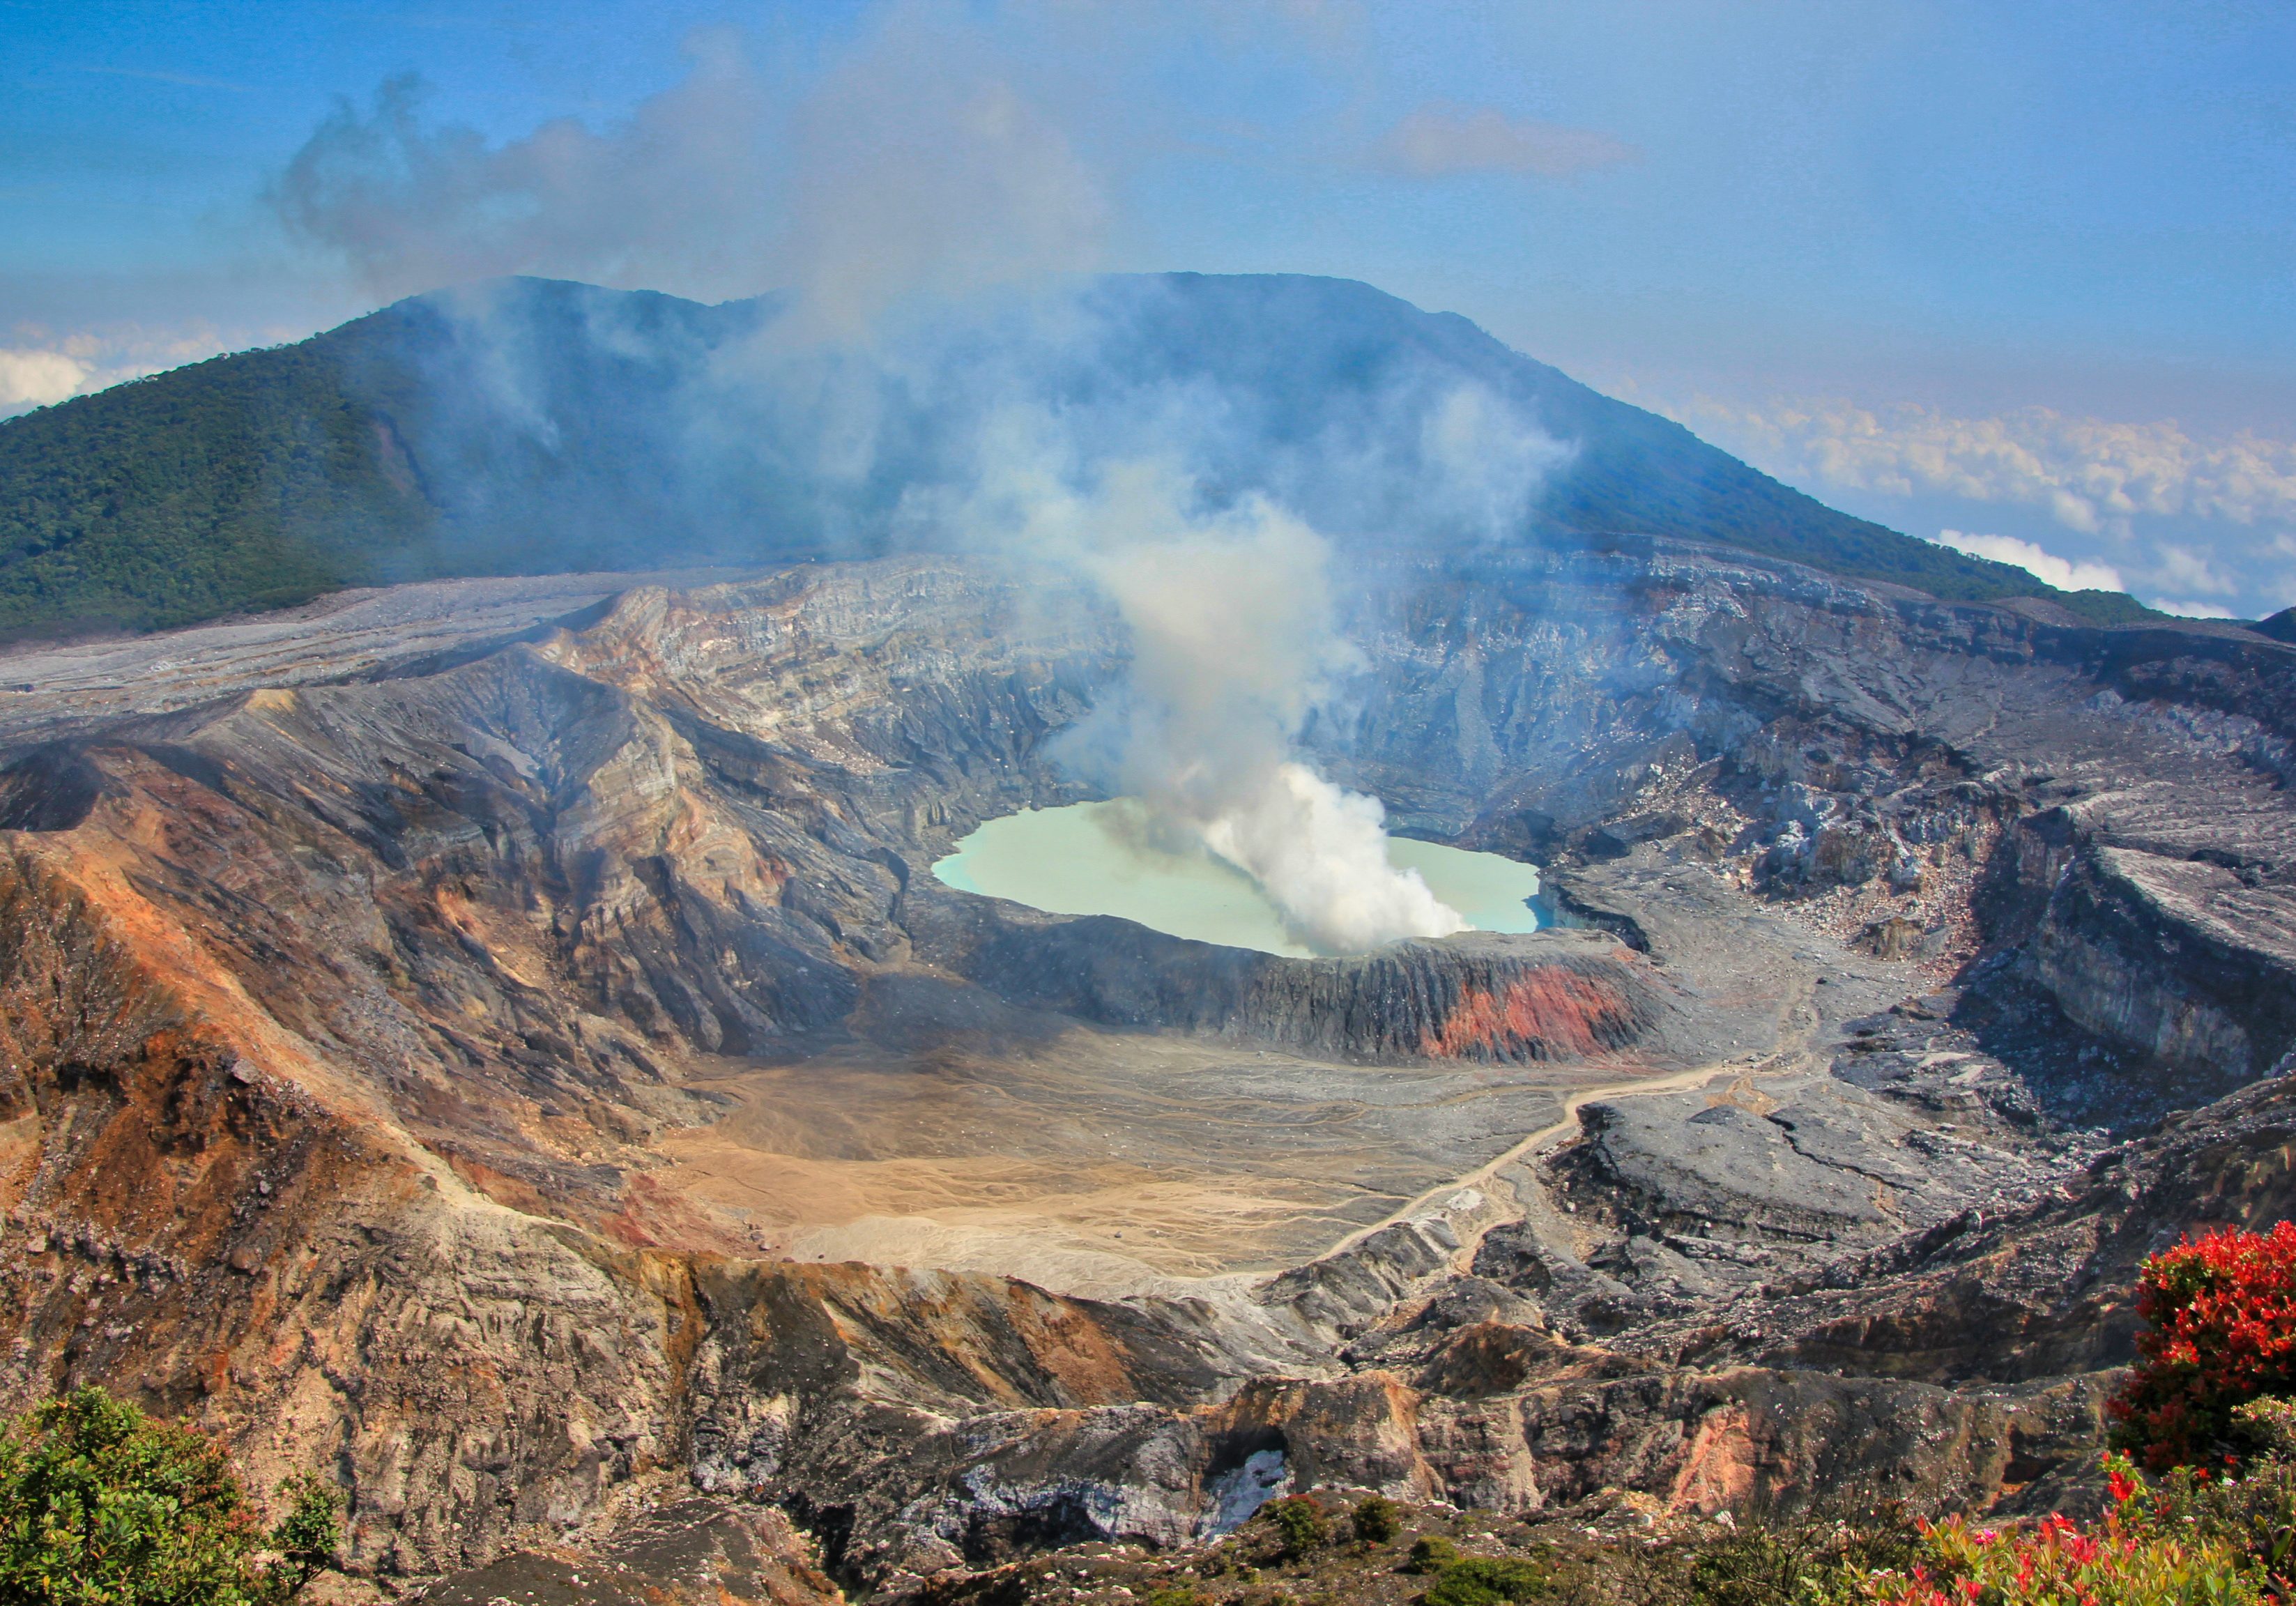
{"x":2221,"y":1311}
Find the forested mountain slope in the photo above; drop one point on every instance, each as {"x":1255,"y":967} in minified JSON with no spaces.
{"x":529,"y":426}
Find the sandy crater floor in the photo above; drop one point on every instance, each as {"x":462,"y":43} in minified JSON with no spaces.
{"x":1093,"y":1161}
{"x":963,"y":1133}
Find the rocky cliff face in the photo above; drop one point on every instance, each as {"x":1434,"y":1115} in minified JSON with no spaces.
{"x":504,"y":1043}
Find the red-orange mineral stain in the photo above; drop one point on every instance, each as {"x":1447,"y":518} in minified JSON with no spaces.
{"x":1552,"y":1011}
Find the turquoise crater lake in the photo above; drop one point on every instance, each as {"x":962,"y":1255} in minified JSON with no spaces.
{"x":1104,"y":858}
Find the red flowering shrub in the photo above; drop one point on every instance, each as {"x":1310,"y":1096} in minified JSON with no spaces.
{"x":2222,"y":1316}
{"x":2128,"y":1558}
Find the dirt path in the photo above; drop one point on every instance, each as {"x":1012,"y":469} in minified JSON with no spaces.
{"x":1796,"y":1023}
{"x":1573,"y":1102}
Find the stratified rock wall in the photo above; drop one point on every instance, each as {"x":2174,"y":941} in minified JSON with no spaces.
{"x":1555,"y":995}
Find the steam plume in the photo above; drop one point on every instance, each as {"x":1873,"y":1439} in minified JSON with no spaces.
{"x":1234,"y":638}
{"x":922,"y":213}
{"x":914,"y":169}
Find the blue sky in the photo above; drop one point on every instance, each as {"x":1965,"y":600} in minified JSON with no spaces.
{"x":2021,"y":272}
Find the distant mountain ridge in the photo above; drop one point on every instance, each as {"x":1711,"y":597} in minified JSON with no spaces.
{"x":535,"y":426}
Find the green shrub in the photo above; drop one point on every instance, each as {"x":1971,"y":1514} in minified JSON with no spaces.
{"x":100,"y":1505}
{"x":1297,"y":1519}
{"x":1376,"y":1519}
{"x":2189,"y":1540}
{"x":1486,"y":1581}
{"x":1813,"y":1560}
{"x":1175,"y":1594}
{"x":1432,"y":1554}
{"x":1756,"y":1566}
{"x":2251,"y":1509}
{"x":2267,"y":1427}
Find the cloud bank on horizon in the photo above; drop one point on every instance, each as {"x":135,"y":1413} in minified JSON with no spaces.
{"x":2198,"y":525}
{"x":39,"y":368}
{"x":2059,"y":573}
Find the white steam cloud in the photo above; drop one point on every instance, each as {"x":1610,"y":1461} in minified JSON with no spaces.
{"x":1232,"y":629}
{"x":915,"y":173}
{"x":1482,"y":464}
{"x":913,"y":167}
{"x":1235,"y":637}
{"x":910,"y":177}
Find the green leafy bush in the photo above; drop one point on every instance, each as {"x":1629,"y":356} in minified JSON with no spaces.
{"x":1818,"y":1560}
{"x":1301,"y":1522}
{"x":1376,"y":1519}
{"x":2059,"y":1562}
{"x":1433,"y":1553}
{"x":2190,"y":1540}
{"x":100,"y":1505}
{"x":1756,"y":1566}
{"x":1175,"y":1594}
{"x":1486,"y":1581}
{"x":2252,"y":1508}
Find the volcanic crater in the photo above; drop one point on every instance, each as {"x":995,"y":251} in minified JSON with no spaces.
{"x":502,"y":1040}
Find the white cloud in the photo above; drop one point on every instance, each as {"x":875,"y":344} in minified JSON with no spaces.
{"x":2180,"y":569}
{"x":2087,"y":474}
{"x":39,"y":368}
{"x":2044,"y":565}
{"x":1439,"y":141}
{"x":36,"y":379}
{"x":2193,"y":611}
{"x":2177,"y":515}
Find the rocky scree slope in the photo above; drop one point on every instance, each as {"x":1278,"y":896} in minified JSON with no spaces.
{"x":346,"y":1011}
